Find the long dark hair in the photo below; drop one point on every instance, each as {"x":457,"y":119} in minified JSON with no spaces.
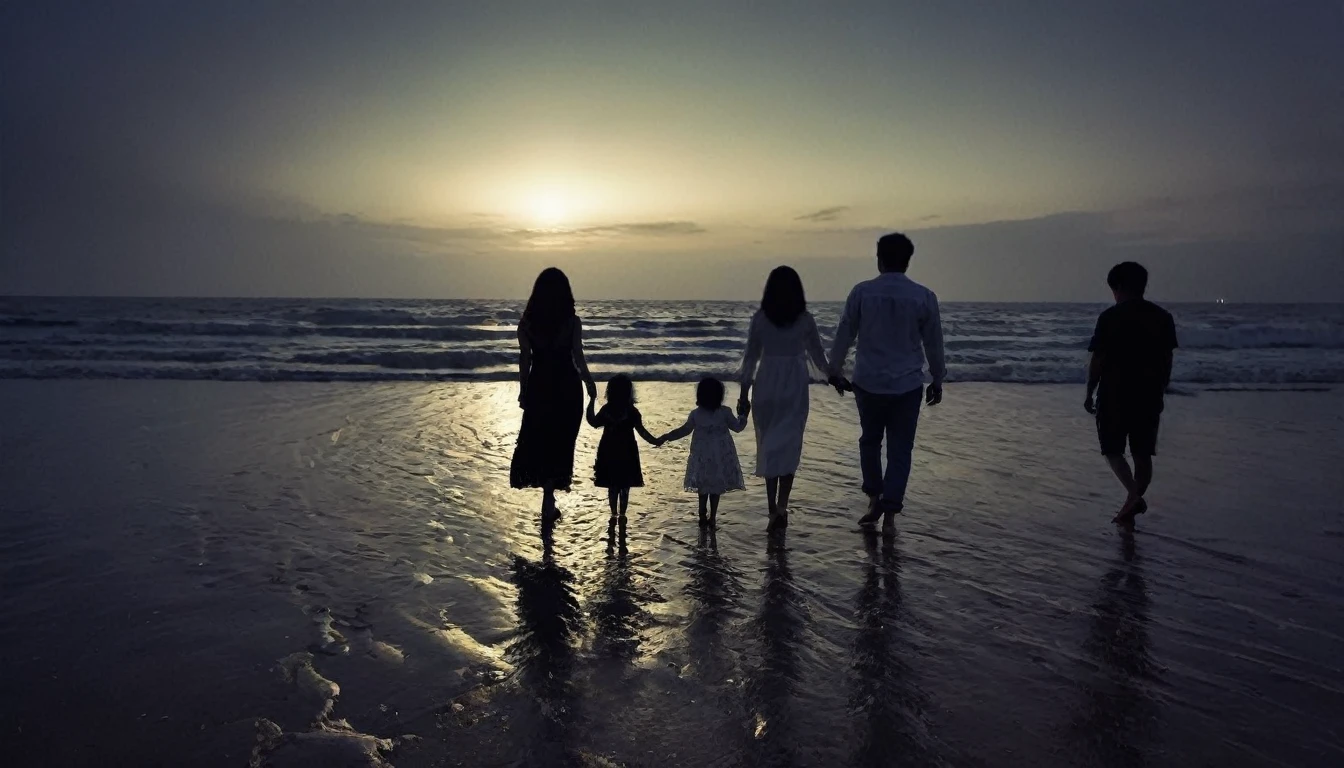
{"x":783,"y":301}
{"x":551,"y":305}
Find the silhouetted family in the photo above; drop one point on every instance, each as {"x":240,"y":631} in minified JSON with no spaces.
{"x":895,"y":324}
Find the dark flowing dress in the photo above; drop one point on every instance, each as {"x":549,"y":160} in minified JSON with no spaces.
{"x":618,"y":454}
{"x":552,"y":412}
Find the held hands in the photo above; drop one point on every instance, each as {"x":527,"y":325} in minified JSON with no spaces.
{"x":841,"y":384}
{"x":592,"y":389}
{"x":743,"y":407}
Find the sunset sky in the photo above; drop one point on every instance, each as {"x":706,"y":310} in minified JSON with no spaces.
{"x":671,"y":150}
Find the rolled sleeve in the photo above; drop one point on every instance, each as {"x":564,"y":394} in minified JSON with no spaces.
{"x":844,"y":333}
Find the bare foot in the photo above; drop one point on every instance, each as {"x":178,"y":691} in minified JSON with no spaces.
{"x":1132,"y":509}
{"x":1126,"y":508}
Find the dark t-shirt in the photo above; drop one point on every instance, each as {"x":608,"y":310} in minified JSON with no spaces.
{"x":1134,"y":339}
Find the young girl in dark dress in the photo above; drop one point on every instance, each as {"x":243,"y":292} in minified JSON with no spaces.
{"x":617,"y":468}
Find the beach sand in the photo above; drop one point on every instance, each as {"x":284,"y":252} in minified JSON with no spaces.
{"x":200,"y":573}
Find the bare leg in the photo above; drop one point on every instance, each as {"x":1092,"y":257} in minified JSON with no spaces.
{"x":704,"y":510}
{"x":1143,"y":474}
{"x":1143,"y":477}
{"x":785,"y":489}
{"x":772,"y":491}
{"x":625,"y":501}
{"x":1122,"y":472}
{"x":549,"y":513}
{"x":713,"y":510}
{"x":613,"y":499}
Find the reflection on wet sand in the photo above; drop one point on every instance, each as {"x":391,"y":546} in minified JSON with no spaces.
{"x":543,"y":654}
{"x":887,"y":706}
{"x":714,"y":587}
{"x":615,"y":611}
{"x":1118,"y":716}
{"x":779,"y":628}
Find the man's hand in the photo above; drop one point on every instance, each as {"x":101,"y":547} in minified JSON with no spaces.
{"x":1090,"y":404}
{"x":933,"y":394}
{"x":592,"y":390}
{"x":743,"y":408}
{"x":522,"y":398}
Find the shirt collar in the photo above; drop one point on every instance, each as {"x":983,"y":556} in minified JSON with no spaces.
{"x":894,"y":275}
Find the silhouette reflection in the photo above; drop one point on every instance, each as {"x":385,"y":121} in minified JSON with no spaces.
{"x":544,"y":657}
{"x":714,"y":588}
{"x":616,"y":611}
{"x":780,"y":628}
{"x":887,"y":707}
{"x":1118,"y":713}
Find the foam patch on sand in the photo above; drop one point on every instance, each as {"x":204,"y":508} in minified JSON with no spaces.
{"x":329,"y":745}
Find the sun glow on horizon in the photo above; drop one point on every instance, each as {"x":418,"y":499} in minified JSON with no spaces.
{"x":547,"y":208}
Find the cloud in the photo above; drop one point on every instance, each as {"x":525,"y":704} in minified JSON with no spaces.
{"x":825,"y":214}
{"x":597,"y":232}
{"x":484,"y":233}
{"x":657,"y":228}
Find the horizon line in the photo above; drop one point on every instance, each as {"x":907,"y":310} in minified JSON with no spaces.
{"x":168,"y":297}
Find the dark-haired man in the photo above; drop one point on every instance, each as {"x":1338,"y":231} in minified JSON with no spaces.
{"x":1127,"y":377}
{"x":897,"y":324}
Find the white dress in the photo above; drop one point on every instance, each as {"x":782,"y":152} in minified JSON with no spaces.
{"x":776,"y":361}
{"x":713,"y":466}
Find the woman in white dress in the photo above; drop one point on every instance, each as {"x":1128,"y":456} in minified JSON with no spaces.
{"x":775,"y":377}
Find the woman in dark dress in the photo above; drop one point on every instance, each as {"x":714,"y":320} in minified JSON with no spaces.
{"x":553,"y":374}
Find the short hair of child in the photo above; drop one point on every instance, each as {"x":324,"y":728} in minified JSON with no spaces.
{"x":709,"y":393}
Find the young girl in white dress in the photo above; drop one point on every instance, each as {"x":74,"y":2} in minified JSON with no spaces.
{"x":712,"y":468}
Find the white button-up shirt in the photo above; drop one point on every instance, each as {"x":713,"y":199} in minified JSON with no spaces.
{"x":897,"y":324}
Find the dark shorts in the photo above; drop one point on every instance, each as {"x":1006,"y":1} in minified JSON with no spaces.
{"x":1138,"y":427}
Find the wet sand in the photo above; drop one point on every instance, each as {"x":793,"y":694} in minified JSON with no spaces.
{"x":199,"y":573}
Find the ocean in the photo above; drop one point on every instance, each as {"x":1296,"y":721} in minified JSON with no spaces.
{"x":437,"y":340}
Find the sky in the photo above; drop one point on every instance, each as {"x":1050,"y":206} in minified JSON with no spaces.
{"x":671,"y":149}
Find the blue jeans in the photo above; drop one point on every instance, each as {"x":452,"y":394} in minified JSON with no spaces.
{"x":895,"y":417}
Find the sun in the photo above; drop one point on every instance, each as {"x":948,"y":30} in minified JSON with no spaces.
{"x":547,"y":209}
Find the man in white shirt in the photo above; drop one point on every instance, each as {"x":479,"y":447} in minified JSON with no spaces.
{"x":897,"y":324}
